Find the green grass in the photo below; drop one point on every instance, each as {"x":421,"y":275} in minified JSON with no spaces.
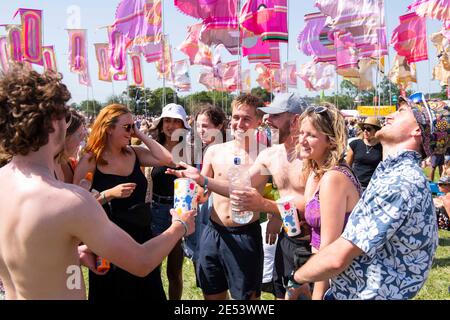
{"x":436,"y":287}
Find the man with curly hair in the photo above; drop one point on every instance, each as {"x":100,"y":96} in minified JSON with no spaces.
{"x":43,"y":220}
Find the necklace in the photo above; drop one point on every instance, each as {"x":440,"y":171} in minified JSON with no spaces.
{"x":368,"y":149}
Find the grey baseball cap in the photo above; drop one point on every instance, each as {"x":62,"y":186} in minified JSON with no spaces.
{"x":286,"y":102}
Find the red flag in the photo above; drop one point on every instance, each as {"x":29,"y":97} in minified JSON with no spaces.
{"x":410,"y":38}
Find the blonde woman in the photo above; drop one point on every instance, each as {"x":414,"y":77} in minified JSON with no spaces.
{"x":122,"y":185}
{"x":331,"y":190}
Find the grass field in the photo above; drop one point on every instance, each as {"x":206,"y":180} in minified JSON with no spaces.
{"x":436,"y":288}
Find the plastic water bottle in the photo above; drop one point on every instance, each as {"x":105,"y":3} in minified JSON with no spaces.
{"x":239,"y":179}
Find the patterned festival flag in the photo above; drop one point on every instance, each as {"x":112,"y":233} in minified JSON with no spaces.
{"x":14,"y":37}
{"x":31,"y":34}
{"x":140,"y":21}
{"x":219,"y":21}
{"x":4,"y":54}
{"x":49,"y":58}
{"x":117,"y":54}
{"x":164,"y":65}
{"x":289,"y":74}
{"x":136,"y":69}
{"x":434,"y":9}
{"x":315,"y":39}
{"x":254,"y":48}
{"x":182,"y":80}
{"x":77,"y":50}
{"x":102,"y":56}
{"x":198,"y":52}
{"x":317,"y":76}
{"x":410,"y":38}
{"x":364,"y":19}
{"x":402,"y":73}
{"x":267,"y":18}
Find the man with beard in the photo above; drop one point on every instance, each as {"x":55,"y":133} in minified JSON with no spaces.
{"x":44,"y":220}
{"x":281,"y":162}
{"x":388,"y":244}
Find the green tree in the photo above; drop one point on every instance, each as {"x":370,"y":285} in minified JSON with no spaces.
{"x":265,"y":95}
{"x":156,"y":101}
{"x":90,"y":107}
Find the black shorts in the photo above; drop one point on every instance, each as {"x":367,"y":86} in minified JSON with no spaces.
{"x":290,"y":254}
{"x":231,"y":258}
{"x":437,"y":160}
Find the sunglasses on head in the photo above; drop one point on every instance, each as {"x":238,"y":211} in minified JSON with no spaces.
{"x":318,"y":109}
{"x":128,"y":127}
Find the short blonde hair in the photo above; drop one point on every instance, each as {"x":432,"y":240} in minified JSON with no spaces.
{"x":328,"y":120}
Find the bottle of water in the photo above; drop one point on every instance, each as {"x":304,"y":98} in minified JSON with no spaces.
{"x":239,"y":179}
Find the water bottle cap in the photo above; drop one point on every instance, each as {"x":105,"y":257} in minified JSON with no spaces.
{"x":237,"y":161}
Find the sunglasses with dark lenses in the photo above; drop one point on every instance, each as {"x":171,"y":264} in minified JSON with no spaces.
{"x":368,"y":128}
{"x":128,"y":127}
{"x":318,"y":109}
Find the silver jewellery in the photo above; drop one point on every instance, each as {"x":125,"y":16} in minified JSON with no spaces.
{"x":368,"y":149}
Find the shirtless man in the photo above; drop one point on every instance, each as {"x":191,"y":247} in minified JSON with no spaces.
{"x":230,"y":254}
{"x":43,"y":221}
{"x":281,"y":162}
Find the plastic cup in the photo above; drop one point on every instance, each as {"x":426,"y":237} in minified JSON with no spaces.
{"x":288,"y":211}
{"x":185,"y":198}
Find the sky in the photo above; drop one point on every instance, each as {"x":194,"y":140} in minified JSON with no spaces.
{"x":59,"y":15}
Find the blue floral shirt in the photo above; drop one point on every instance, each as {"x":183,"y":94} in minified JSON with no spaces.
{"x":395,"y":225}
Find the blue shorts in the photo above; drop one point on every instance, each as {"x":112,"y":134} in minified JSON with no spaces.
{"x":161,"y":218}
{"x":231,"y":258}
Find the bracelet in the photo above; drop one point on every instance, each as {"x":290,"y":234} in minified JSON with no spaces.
{"x":205,"y":185}
{"x":184,"y":225}
{"x":104,"y":196}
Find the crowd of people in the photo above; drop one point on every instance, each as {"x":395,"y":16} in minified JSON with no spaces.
{"x":105,"y":191}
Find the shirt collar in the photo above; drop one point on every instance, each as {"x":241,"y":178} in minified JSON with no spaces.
{"x":403,"y":155}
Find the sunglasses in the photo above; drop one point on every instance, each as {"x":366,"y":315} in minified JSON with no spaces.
{"x":317,"y":110}
{"x":128,"y":127}
{"x":368,"y":128}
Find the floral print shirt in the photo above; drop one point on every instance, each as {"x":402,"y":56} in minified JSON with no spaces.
{"x":395,"y":225}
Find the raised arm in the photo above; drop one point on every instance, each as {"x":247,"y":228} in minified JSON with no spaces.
{"x":155,"y":155}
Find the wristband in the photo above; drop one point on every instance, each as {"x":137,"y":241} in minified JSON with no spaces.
{"x":292,"y":284}
{"x":104,"y":196}
{"x":205,"y":185}
{"x":184,"y":225}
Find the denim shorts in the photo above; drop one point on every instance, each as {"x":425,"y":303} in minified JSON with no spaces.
{"x":161,"y":218}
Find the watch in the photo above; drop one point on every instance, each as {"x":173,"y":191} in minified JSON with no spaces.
{"x":291,"y":281}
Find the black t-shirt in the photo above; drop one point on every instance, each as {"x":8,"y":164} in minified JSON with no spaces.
{"x":365,"y":160}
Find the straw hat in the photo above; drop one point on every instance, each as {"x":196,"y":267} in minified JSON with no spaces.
{"x":373,"y":121}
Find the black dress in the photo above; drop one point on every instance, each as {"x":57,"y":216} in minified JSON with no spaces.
{"x":118,"y":284}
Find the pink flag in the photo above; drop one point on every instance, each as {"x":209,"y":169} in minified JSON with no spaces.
{"x":164,"y":65}
{"x":4,"y":54}
{"x":315,"y":38}
{"x":49,"y":58}
{"x":220,"y":22}
{"x":364,"y":19}
{"x":274,"y":50}
{"x":118,"y":55}
{"x":289,"y":74}
{"x":346,"y":54}
{"x":410,"y":38}
{"x":31,"y":34}
{"x":102,"y":55}
{"x":139,"y":21}
{"x":255,"y":49}
{"x":14,"y":36}
{"x":434,"y":9}
{"x":136,"y":67}
{"x":267,"y":18}
{"x":84,"y":78}
{"x":230,"y":77}
{"x":317,"y":76}
{"x":198,"y":52}
{"x":78,"y":58}
{"x":182,"y":80}
{"x":151,"y":52}
{"x":211,"y":78}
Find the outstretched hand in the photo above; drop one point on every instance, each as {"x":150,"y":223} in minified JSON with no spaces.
{"x":188,"y":172}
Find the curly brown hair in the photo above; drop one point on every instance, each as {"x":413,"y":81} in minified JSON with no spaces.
{"x":29,"y":102}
